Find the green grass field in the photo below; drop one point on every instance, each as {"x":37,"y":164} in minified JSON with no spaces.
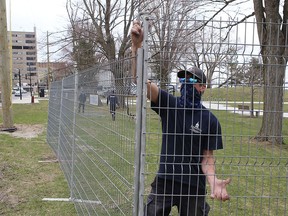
{"x":239,"y":93}
{"x":24,"y":181}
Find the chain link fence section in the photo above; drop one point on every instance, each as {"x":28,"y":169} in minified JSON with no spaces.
{"x":109,"y":145}
{"x":96,"y":150}
{"x":54,"y":115}
{"x":258,"y":169}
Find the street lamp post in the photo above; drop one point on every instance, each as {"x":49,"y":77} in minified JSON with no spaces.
{"x":19,"y":75}
{"x":32,"y":97}
{"x":30,"y":80}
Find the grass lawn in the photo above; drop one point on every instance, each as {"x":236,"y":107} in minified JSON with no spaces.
{"x":24,"y":181}
{"x":239,"y":93}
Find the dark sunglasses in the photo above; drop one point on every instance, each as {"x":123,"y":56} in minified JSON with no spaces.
{"x":187,"y":80}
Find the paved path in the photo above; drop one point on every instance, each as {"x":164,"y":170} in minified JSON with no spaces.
{"x":26,"y":99}
{"x":213,"y":105}
{"x":233,"y":108}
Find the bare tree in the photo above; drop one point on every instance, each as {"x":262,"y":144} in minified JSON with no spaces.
{"x":5,"y":72}
{"x":254,"y":77}
{"x":213,"y":54}
{"x":109,"y":25}
{"x":234,"y":71}
{"x":169,"y":31}
{"x":271,"y":17}
{"x":254,"y":73}
{"x":272,"y":33}
{"x":179,"y":39}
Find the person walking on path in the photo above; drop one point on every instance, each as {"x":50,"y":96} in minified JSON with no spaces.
{"x":113,"y":100}
{"x":82,"y":100}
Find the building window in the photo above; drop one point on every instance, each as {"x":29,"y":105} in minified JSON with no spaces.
{"x":30,"y":41}
{"x":29,"y":35}
{"x":31,"y":69}
{"x":28,"y":47}
{"x":17,"y":58}
{"x":14,"y":35}
{"x":16,"y":47}
{"x":30,"y":53}
{"x":30,"y":58}
{"x":30,"y":63}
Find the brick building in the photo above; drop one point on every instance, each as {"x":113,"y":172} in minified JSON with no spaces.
{"x":24,"y":57}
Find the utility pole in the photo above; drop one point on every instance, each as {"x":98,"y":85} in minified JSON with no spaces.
{"x":48,"y":63}
{"x":5,"y":72}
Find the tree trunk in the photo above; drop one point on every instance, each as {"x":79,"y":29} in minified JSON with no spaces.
{"x":271,"y":129}
{"x":252,"y":100}
{"x":118,"y":70}
{"x":272,"y":34}
{"x":5,"y":73}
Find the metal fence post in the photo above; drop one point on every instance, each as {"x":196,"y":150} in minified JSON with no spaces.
{"x":138,"y":131}
{"x":73,"y":131}
{"x":60,"y":117}
{"x":141,"y":124}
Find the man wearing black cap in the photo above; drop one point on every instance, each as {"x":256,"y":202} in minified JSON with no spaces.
{"x":190,"y":134}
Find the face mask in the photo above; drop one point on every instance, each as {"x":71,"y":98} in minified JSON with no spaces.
{"x":190,"y":97}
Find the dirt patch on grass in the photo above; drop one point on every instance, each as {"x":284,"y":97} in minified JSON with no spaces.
{"x":8,"y":198}
{"x":26,"y":131}
{"x":7,"y":195}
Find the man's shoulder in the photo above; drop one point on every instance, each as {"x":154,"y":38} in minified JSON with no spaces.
{"x":208,"y":113}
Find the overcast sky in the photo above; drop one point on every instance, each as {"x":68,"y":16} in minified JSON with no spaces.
{"x":48,"y":15}
{"x":45,"y":15}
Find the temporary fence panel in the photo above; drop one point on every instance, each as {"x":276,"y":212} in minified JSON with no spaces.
{"x":237,"y":95}
{"x":97,"y":138}
{"x":54,"y":115}
{"x":66,"y":146}
{"x":109,"y":138}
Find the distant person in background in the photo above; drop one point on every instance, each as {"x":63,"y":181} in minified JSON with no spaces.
{"x":82,"y":100}
{"x":113,"y":100}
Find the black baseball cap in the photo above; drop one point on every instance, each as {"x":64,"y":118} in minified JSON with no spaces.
{"x":196,"y":74}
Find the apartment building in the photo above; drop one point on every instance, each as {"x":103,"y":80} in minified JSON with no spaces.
{"x":24,"y":57}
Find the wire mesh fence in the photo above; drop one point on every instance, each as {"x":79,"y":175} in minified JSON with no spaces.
{"x":91,"y":128}
{"x":111,"y":141}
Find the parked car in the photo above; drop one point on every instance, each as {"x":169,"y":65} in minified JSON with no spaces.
{"x":14,"y":89}
{"x":17,"y":92}
{"x":17,"y":89}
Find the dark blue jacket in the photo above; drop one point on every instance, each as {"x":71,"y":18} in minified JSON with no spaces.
{"x":186,"y":133}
